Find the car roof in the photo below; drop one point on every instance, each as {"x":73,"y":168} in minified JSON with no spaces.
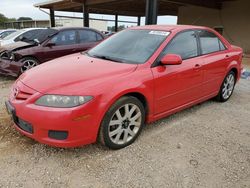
{"x":67,"y":28}
{"x":168,"y":27}
{"x":29,"y":29}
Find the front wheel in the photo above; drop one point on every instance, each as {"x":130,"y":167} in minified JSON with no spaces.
{"x":28,"y":63}
{"x":227,"y":87}
{"x":122,"y":123}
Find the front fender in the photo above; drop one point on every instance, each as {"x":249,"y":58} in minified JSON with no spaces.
{"x":138,"y":82}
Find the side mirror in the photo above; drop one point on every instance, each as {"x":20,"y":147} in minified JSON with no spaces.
{"x":50,"y":44}
{"x":171,"y":59}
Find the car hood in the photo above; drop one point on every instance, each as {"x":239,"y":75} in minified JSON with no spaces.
{"x":15,"y":46}
{"x":71,"y":74}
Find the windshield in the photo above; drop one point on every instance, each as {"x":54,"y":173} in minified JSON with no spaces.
{"x":130,"y":46}
{"x":13,"y":35}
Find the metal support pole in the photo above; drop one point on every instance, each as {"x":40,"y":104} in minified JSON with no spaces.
{"x":151,"y":12}
{"x":52,"y":18}
{"x":85,"y":15}
{"x":139,"y":20}
{"x":116,"y":22}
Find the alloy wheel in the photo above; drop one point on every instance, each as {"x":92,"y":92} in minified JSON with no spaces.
{"x":125,"y":124}
{"x":28,"y":64}
{"x":228,"y":86}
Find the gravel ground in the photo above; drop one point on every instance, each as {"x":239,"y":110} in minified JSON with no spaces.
{"x":204,"y":146}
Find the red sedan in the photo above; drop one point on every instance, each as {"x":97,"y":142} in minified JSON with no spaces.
{"x":136,"y":76}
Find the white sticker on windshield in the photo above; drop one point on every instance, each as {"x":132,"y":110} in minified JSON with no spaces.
{"x":163,"y":33}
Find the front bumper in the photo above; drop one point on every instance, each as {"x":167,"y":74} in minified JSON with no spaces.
{"x":10,"y":68}
{"x":55,"y":126}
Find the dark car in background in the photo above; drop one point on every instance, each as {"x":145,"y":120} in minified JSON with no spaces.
{"x":50,"y":44}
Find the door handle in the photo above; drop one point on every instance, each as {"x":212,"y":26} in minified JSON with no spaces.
{"x":227,"y":56}
{"x":197,"y":66}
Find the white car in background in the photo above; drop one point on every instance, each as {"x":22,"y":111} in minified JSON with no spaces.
{"x":6,"y":32}
{"x":27,"y":34}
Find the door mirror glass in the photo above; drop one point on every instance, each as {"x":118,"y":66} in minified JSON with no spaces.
{"x":171,"y":59}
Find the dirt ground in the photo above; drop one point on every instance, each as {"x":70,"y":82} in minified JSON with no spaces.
{"x":204,"y":146}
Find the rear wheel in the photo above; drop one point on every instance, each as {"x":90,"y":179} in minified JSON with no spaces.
{"x":227,"y":87}
{"x":28,"y":63}
{"x":122,"y":123}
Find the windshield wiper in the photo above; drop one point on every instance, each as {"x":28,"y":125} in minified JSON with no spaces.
{"x":106,"y":58}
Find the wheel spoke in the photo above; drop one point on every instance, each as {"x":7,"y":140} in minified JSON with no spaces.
{"x":135,"y":123}
{"x":131,"y":111}
{"x":136,"y":116}
{"x":118,"y":136}
{"x":118,"y":115}
{"x":125,"y":137}
{"x":115,"y":122}
{"x":126,"y":110}
{"x":130,"y":132}
{"x":115,"y":132}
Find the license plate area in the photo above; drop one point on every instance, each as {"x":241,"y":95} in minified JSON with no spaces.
{"x":25,"y":126}
{"x":10,"y":109}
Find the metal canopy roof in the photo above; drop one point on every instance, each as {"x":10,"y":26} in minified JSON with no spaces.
{"x":125,"y":7}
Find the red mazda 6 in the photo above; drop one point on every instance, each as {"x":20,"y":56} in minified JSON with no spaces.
{"x":137,"y":76}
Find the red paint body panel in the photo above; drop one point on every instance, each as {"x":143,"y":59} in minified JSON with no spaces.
{"x":167,"y":89}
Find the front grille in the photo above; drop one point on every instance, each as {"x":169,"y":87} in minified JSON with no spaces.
{"x":23,"y":95}
{"x":21,"y":91}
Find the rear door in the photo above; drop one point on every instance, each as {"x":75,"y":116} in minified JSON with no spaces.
{"x":215,"y":57}
{"x":61,"y":44}
{"x":87,"y":39}
{"x":177,"y":85}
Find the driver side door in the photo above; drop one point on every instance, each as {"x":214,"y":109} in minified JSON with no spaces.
{"x":178,"y":85}
{"x":63,"y":43}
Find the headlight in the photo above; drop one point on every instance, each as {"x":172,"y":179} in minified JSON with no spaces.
{"x":61,"y":101}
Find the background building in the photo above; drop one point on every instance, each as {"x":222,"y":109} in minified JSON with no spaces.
{"x":61,"y":22}
{"x":230,"y":17}
{"x":233,"y":20}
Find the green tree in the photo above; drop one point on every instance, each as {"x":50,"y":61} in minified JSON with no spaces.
{"x":3,"y":18}
{"x":112,"y":28}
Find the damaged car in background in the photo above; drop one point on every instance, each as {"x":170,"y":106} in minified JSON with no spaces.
{"x":49,"y":44}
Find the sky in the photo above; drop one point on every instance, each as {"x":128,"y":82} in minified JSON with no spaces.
{"x":25,"y":8}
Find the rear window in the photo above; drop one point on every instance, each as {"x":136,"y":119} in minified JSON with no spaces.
{"x":89,"y":36}
{"x":210,"y":42}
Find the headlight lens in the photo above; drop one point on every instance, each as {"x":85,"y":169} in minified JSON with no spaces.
{"x":62,"y":101}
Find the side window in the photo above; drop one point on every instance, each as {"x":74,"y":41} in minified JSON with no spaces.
{"x":29,"y":35}
{"x":210,"y":42}
{"x":89,"y":36}
{"x":64,"y":38}
{"x":222,"y":46}
{"x":184,"y":44}
{"x":99,"y":37}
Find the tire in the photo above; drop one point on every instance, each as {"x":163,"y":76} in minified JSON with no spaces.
{"x":122,"y":123}
{"x":227,"y":87}
{"x":28,"y":63}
